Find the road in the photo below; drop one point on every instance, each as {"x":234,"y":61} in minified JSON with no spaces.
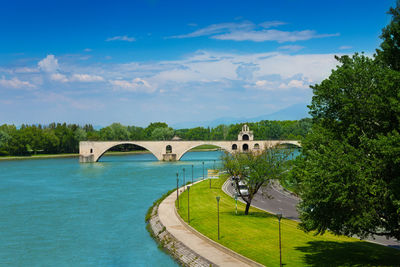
{"x":281,"y":201}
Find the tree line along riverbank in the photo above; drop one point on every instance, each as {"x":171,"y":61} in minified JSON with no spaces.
{"x":62,"y":138}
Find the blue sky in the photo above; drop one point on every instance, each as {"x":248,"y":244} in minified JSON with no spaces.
{"x":137,"y":62}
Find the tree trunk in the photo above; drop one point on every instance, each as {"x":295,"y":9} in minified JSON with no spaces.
{"x":246,"y":212}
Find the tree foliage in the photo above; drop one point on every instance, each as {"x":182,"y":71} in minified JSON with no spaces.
{"x":389,"y":51}
{"x":255,"y":169}
{"x":350,"y":166}
{"x":162,"y":133}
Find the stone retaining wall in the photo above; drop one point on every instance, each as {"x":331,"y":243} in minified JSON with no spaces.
{"x":181,"y":253}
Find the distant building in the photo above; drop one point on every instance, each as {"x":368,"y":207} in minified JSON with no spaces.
{"x":245,"y":134}
{"x":176,"y":138}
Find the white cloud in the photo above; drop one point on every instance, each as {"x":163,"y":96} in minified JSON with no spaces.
{"x":248,"y":31}
{"x":225,"y":71}
{"x":121,"y":38}
{"x":87,"y":50}
{"x":262,"y":83}
{"x":218,"y":28}
{"x":345,"y":47}
{"x":49,"y":64}
{"x":270,"y":24}
{"x":271,"y":35}
{"x":59,"y":77}
{"x":15,"y":83}
{"x":136,"y":85}
{"x":26,"y":70}
{"x":86,"y":78}
{"x":293,"y":48}
{"x":294,"y":84}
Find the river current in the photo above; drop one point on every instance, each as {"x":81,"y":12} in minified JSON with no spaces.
{"x":58,"y":212}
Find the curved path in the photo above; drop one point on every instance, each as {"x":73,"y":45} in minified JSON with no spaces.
{"x":281,"y":201}
{"x":215,"y":253}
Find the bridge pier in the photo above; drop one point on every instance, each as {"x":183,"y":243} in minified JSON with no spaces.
{"x":86,"y":159}
{"x":169,"y":157}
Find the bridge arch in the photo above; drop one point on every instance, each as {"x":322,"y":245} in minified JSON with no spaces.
{"x":104,"y":149}
{"x":245,"y":147}
{"x":290,"y":142}
{"x":224,"y":147}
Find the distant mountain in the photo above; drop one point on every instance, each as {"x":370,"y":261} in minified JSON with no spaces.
{"x":97,"y":127}
{"x":294,"y":112}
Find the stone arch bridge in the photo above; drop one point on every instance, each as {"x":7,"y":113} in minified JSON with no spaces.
{"x":91,"y":151}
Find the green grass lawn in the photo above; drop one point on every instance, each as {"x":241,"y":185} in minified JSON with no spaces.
{"x":256,"y":235}
{"x":204,"y":147}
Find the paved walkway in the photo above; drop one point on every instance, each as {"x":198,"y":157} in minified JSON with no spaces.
{"x":201,"y":245}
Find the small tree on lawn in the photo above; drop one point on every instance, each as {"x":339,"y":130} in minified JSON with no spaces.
{"x":255,"y":169}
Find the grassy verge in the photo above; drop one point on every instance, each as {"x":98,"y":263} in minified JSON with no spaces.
{"x":256,"y":235}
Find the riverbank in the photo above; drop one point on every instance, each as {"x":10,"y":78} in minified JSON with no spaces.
{"x":167,"y":242}
{"x":185,"y":244}
{"x":67,"y":155}
{"x":76,"y":155}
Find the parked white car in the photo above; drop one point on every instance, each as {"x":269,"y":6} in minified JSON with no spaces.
{"x":243,"y":189}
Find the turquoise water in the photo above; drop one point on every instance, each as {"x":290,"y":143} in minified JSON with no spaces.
{"x":57,"y":212}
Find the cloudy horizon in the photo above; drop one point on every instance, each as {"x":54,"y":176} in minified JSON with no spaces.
{"x":193,"y":68}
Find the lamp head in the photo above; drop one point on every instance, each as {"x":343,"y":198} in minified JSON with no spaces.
{"x":218,"y":197}
{"x":279,"y":215}
{"x":188,"y":187}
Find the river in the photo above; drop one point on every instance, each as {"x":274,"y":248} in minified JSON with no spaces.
{"x":57,"y":212}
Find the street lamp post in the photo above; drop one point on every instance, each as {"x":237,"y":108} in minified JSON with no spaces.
{"x":203,"y":170}
{"x":177,"y":188}
{"x":218,"y":213}
{"x":192,"y":174}
{"x":214,"y":164}
{"x":188,"y":190}
{"x":279,"y":215}
{"x":236,"y":197}
{"x":183,"y":179}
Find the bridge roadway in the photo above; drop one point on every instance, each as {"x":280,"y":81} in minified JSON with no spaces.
{"x":91,"y":151}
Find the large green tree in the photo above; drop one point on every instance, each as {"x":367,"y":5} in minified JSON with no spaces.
{"x":350,"y":165}
{"x":162,"y":133}
{"x":389,"y":51}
